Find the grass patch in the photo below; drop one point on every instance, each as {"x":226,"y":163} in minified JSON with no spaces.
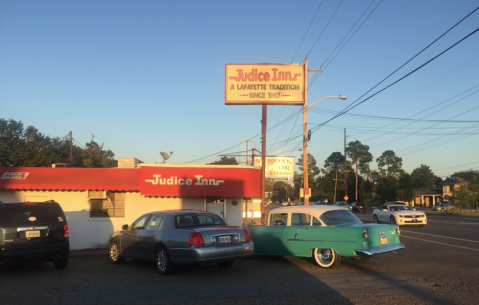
{"x":455,"y":213}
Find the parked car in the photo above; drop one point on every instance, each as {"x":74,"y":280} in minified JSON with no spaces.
{"x":443,"y":206}
{"x":34,"y":231}
{"x":343,"y":204}
{"x":177,"y":237}
{"x":358,"y":207}
{"x":395,"y":202}
{"x":325,"y":232}
{"x":399,"y":213}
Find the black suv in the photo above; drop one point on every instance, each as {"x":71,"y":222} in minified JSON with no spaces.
{"x":34,"y":230}
{"x":358,"y":207}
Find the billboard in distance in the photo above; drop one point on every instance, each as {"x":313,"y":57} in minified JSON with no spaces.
{"x":277,"y":167}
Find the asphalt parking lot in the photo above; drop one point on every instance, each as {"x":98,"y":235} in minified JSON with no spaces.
{"x":440,"y":265}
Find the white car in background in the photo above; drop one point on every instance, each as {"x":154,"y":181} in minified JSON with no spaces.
{"x":343,"y":204}
{"x":399,"y":213}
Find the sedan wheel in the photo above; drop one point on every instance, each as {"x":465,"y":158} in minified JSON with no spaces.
{"x":392,"y":220}
{"x":163,"y":261}
{"x":326,"y":257}
{"x":114,"y":254}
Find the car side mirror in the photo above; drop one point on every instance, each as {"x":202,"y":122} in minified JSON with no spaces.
{"x":124,"y":227}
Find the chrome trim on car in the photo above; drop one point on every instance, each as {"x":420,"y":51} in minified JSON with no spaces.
{"x":20,"y":229}
{"x":369,"y":252}
{"x":324,"y":240}
{"x":234,"y":240}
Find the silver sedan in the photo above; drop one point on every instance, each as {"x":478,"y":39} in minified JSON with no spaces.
{"x":177,"y":237}
{"x":443,"y":206}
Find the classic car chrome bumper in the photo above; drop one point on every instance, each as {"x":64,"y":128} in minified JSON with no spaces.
{"x":369,"y":252}
{"x":211,"y":254}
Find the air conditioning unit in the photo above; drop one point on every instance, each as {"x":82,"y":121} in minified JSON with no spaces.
{"x":98,"y":194}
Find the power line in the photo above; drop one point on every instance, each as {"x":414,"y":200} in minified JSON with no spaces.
{"x":397,"y":81}
{"x":441,"y":121}
{"x":301,"y":43}
{"x":324,"y":66}
{"x":325,"y":27}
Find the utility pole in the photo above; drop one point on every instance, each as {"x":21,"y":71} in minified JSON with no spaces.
{"x":345,"y":169}
{"x":305,"y":139}
{"x":252,"y":156}
{"x":306,"y":134}
{"x":71,"y":149}
{"x":263,"y":163}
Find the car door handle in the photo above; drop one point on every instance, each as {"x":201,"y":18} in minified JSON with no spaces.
{"x":154,"y":235}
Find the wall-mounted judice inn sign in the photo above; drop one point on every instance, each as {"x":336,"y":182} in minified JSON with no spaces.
{"x":274,"y":84}
{"x":200,"y":180}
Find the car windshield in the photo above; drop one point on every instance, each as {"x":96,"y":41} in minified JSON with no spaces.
{"x":339,"y":217}
{"x":198,"y":219}
{"x":400,"y":208}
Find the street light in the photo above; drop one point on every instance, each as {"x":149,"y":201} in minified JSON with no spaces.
{"x":305,"y":143}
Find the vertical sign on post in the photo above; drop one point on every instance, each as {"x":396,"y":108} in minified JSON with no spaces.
{"x":265,"y":84}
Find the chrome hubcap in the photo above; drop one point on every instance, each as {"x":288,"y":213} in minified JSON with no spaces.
{"x":161,"y":260}
{"x":325,"y":256}
{"x":114,"y":252}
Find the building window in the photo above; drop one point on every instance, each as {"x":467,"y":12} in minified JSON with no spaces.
{"x":113,"y":205}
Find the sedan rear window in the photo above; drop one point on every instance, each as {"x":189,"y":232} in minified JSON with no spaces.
{"x":339,"y":217}
{"x":198,"y":219}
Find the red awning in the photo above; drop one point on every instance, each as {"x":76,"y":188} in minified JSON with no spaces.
{"x":160,"y":180}
{"x":47,"y":178}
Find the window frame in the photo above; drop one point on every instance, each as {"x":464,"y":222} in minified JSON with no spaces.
{"x":117,"y":200}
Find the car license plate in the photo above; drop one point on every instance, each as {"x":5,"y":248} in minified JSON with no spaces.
{"x":29,"y":234}
{"x":383,"y":241}
{"x":224,"y":239}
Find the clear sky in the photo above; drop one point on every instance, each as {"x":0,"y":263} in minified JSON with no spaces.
{"x":148,"y":76}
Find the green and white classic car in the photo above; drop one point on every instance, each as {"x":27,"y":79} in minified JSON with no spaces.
{"x":325,"y":232}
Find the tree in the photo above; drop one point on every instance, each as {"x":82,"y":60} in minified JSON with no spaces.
{"x":461,"y":196}
{"x":94,"y":156}
{"x":469,"y":175}
{"x":313,"y":171}
{"x":11,"y":141}
{"x":474,"y":189}
{"x":386,"y":188}
{"x":366,"y":192}
{"x":392,"y":163}
{"x":359,"y":154}
{"x":29,"y":147}
{"x":333,"y":164}
{"x":406,"y":188}
{"x":326,"y":186}
{"x":423,"y":177}
{"x":226,"y":161}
